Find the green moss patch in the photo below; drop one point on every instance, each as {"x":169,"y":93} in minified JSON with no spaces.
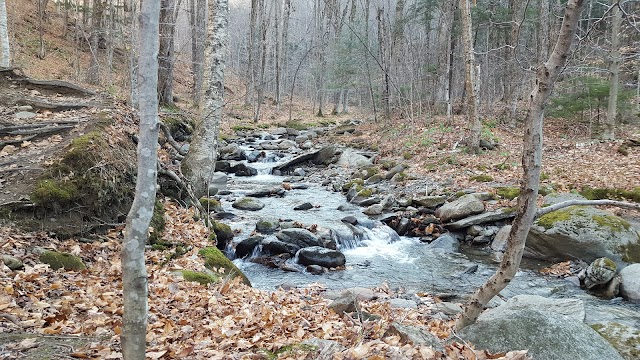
{"x":157,"y":225}
{"x":223,"y":232}
{"x":548,"y":220}
{"x":613,"y":222}
{"x":59,"y":260}
{"x":611,"y":193}
{"x":51,"y":193}
{"x":210,"y":204}
{"x":200,"y":277}
{"x":508,"y":192}
{"x":215,"y":260}
{"x":481,"y":178}
{"x":350,"y":183}
{"x":624,"y":339}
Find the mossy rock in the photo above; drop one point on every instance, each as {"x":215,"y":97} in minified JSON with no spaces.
{"x":223,"y":233}
{"x":248,"y":203}
{"x":349,"y":183}
{"x":611,"y":193}
{"x":200,"y":277}
{"x":211,"y":204}
{"x":583,"y":232}
{"x":625,"y":339}
{"x":481,"y":178}
{"x":58,"y":260}
{"x":157,"y":225}
{"x":215,"y":260}
{"x":508,"y":192}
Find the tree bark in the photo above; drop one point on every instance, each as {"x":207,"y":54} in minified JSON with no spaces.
{"x":278,"y":49}
{"x":199,"y":164}
{"x":4,"y":36}
{"x":614,"y":73}
{"x":531,"y":160}
{"x":134,"y":273}
{"x":166,"y":56}
{"x":473,"y":118}
{"x":250,"y":63}
{"x":133,"y":55}
{"x":384,"y":62}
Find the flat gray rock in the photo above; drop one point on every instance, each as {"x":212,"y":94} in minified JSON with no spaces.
{"x":485,"y":217}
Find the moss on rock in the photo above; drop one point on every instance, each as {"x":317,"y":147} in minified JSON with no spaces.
{"x":508,"y":192}
{"x":52,"y":193}
{"x":348,"y":184}
{"x":210,"y":204}
{"x":481,"y":178}
{"x":200,"y":277}
{"x":223,"y":233}
{"x":215,"y":260}
{"x":58,"y":260}
{"x":548,"y":220}
{"x":613,"y":222}
{"x":611,"y":193}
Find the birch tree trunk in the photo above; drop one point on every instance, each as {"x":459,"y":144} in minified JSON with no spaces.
{"x":614,"y":73}
{"x":473,"y":118}
{"x":4,"y":36}
{"x":199,"y":164}
{"x":134,"y":272}
{"x":531,"y":160}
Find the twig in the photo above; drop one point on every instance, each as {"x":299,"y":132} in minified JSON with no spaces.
{"x":14,"y":319}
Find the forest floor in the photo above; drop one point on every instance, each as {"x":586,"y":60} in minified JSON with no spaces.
{"x":47,"y":314}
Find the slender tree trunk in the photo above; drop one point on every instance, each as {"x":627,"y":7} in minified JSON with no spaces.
{"x":250,"y":63}
{"x":42,"y":7}
{"x":511,"y":86}
{"x":133,"y":55}
{"x":614,"y":73}
{"x":166,"y":57}
{"x":93,"y":75}
{"x":284,"y":42}
{"x":531,"y":160}
{"x":199,"y":164}
{"x":4,"y":36}
{"x":278,"y":50}
{"x":386,"y":102}
{"x":134,"y":272}
{"x":260,"y":83}
{"x":543,"y":34}
{"x":473,"y":118}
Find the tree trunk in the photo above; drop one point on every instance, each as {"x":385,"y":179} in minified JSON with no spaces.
{"x":133,"y":55}
{"x":4,"y":36}
{"x":473,"y":118}
{"x":531,"y":160}
{"x":511,"y":86}
{"x":278,"y":49}
{"x":134,"y":272}
{"x":166,"y":56}
{"x":250,"y":66}
{"x":260,"y":83}
{"x":42,"y":7}
{"x":199,"y":164}
{"x":614,"y":73}
{"x":384,"y":63}
{"x":93,"y":75}
{"x":543,"y":33}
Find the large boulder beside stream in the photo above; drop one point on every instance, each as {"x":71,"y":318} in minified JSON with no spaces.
{"x":545,"y":331}
{"x":585,"y":233}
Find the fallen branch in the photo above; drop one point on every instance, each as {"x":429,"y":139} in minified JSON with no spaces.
{"x":17,"y":141}
{"x":40,"y":104}
{"x":170,"y":139}
{"x":14,"y":319}
{"x":37,"y":131}
{"x":186,"y":188}
{"x":564,"y":204}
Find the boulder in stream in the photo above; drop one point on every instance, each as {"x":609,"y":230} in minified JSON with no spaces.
{"x":462,"y":207}
{"x":585,"y":233}
{"x":300,"y":237}
{"x":245,"y":247}
{"x":630,"y":287}
{"x":247,"y":203}
{"x":316,"y":255}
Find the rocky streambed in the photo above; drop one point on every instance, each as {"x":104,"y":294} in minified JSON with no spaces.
{"x":305,"y":213}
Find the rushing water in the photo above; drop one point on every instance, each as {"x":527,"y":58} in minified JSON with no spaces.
{"x":376,"y":254}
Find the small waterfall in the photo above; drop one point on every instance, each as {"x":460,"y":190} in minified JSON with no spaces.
{"x":364,"y":236}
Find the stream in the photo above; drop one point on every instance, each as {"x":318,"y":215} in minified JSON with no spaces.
{"x":375,"y":254}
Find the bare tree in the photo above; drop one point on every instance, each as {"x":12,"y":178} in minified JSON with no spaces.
{"x":4,"y":36}
{"x":471,"y":88}
{"x":531,"y":160}
{"x":198,"y":30}
{"x":42,"y":11}
{"x":134,"y":272}
{"x":199,"y":164}
{"x":614,"y":72}
{"x":166,"y":57}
